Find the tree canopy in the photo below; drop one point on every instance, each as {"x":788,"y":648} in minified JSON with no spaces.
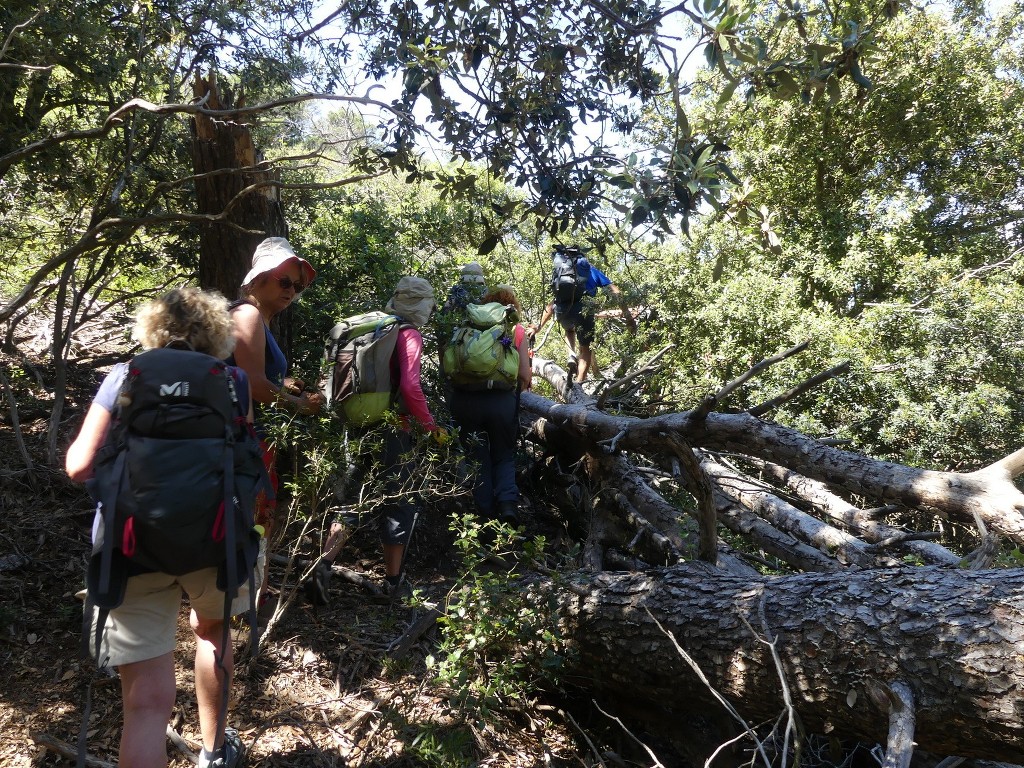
{"x":815,"y":210}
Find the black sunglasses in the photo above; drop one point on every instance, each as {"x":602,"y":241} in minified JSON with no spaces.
{"x":286,"y":283}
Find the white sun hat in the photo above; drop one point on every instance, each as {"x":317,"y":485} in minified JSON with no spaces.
{"x":271,"y":254}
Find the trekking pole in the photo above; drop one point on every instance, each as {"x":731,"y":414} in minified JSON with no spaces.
{"x":519,"y":427}
{"x":551,"y":325}
{"x":408,"y":543}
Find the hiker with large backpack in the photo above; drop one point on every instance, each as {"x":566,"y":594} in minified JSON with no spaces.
{"x":168,"y":451}
{"x":274,"y":282}
{"x":574,"y":284}
{"x":470,"y":289}
{"x":398,"y":385}
{"x":487,"y":361}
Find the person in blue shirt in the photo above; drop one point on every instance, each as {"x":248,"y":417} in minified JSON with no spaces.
{"x":578,"y":321}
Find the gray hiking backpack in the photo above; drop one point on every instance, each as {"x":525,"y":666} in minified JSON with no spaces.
{"x":569,"y":275}
{"x":359,"y":386}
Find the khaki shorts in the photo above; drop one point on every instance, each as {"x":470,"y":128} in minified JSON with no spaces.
{"x":145,"y":625}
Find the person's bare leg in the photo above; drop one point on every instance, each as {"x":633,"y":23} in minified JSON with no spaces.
{"x":586,"y":360}
{"x":147,"y":690}
{"x":209,"y":678}
{"x":336,"y":540}
{"x":393,"y":559}
{"x":570,"y":338}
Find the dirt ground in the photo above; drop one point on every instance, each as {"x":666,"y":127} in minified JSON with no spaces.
{"x":324,"y":690}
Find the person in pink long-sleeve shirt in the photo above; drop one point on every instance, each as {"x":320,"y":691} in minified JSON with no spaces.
{"x":405,"y":369}
{"x":413,"y":302}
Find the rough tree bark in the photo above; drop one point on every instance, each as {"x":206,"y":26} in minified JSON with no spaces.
{"x":865,"y":647}
{"x":229,"y":175}
{"x":954,"y":637}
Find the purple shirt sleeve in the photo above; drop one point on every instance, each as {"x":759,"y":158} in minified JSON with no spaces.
{"x":408,"y":354}
{"x":106,"y":396}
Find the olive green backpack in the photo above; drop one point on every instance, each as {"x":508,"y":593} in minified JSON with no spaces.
{"x":482,"y":353}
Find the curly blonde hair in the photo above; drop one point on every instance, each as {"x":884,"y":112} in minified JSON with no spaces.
{"x":198,"y":318}
{"x":503,"y":294}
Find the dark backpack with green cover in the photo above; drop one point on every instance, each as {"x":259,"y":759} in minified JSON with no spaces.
{"x":482,"y":353}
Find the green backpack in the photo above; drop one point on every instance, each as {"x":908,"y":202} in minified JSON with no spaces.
{"x":482,"y":353}
{"x":359,"y":387}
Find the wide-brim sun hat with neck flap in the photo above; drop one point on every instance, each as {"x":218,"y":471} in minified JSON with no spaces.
{"x":271,"y":254}
{"x":413,"y":300}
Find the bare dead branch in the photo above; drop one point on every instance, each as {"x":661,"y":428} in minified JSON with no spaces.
{"x":902,"y":539}
{"x":15,"y":30}
{"x":116,"y":117}
{"x":1012,"y":465}
{"x":900,"y":747}
{"x":402,"y":645}
{"x":700,"y":486}
{"x":645,"y":370}
{"x":999,"y":502}
{"x":863,"y":522}
{"x":64,"y":749}
{"x":799,"y":389}
{"x":783,"y":516}
{"x":181,"y":745}
{"x":12,"y":406}
{"x":713,"y":401}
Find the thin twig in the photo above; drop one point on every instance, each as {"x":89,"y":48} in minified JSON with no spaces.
{"x":654,"y":757}
{"x":572,"y":720}
{"x":792,"y":721}
{"x":799,"y":389}
{"x":646,"y":369}
{"x":707,"y":684}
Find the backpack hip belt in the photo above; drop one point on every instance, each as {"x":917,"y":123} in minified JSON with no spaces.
{"x":499,"y":385}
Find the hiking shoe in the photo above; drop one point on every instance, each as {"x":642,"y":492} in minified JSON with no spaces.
{"x":572,"y":367}
{"x":508,"y":512}
{"x":232,"y":753}
{"x":317,"y":583}
{"x":397,"y":592}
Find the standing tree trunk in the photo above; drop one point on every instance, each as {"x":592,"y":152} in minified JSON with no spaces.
{"x":226,"y":163}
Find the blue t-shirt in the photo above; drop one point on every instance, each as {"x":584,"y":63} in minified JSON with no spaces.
{"x":595,"y":279}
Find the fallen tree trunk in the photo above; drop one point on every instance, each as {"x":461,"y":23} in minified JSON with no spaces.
{"x":954,"y":638}
{"x":989,"y":492}
{"x":904,"y":654}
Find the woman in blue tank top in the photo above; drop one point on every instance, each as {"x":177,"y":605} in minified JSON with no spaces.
{"x":276,"y":279}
